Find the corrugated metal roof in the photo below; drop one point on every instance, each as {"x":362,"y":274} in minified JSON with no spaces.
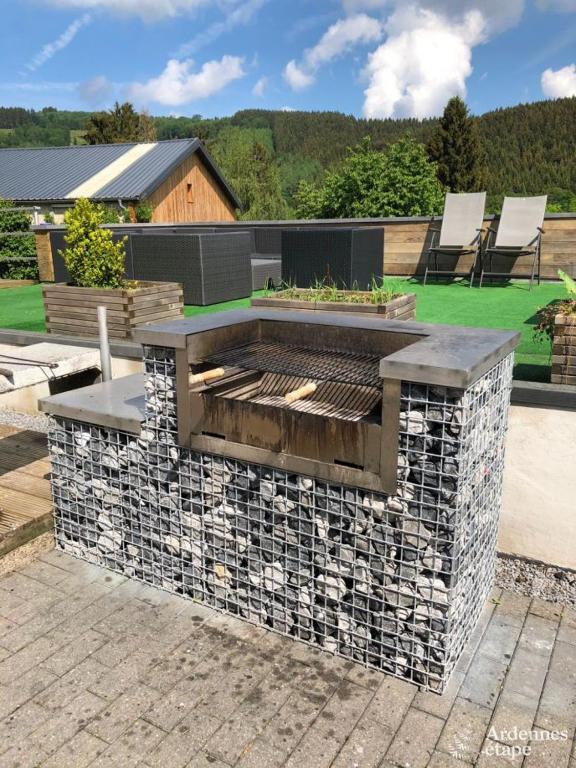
{"x":148,"y":172}
{"x":49,"y":173}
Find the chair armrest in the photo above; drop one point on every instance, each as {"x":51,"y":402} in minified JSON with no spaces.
{"x":541,"y":230}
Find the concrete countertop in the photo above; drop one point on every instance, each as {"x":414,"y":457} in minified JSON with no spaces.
{"x":446,"y":355}
{"x":118,"y":404}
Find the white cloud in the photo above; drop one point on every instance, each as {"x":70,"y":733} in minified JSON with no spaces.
{"x":96,"y":90}
{"x":148,"y":10}
{"x":260,"y":87}
{"x":51,"y":49}
{"x":559,"y":83}
{"x":424,"y":61}
{"x":341,"y":37}
{"x":426,"y":56}
{"x":297,"y":78}
{"x":354,"y":6}
{"x":287,"y":109}
{"x":40,"y":86}
{"x":565,"y":6}
{"x":239,"y":16}
{"x":178,"y":84}
{"x":498,"y":14}
{"x":338,"y":39}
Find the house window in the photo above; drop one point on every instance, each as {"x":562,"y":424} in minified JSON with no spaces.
{"x":189,"y":196}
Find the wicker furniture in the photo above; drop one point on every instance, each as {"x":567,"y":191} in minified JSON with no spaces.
{"x":347,"y":258}
{"x":268,"y":242}
{"x":266,"y":273}
{"x":212,"y":267}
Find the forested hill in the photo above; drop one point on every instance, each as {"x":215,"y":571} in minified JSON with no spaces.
{"x":530,"y":148}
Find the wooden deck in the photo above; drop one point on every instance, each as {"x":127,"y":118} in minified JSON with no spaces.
{"x":25,"y":501}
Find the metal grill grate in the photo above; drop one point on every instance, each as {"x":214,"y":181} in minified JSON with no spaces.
{"x":315,"y":364}
{"x":331,"y":399}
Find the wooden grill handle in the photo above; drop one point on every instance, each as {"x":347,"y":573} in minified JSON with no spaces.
{"x":301,"y":392}
{"x":199,"y":378}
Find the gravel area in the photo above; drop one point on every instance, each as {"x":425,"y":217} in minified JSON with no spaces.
{"x":38,"y":422}
{"x":548,"y":582}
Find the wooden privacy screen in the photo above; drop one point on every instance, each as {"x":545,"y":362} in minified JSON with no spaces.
{"x":405,"y":245}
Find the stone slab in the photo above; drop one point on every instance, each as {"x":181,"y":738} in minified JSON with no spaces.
{"x":46,"y":361}
{"x":442,"y":354}
{"x":118,"y":403}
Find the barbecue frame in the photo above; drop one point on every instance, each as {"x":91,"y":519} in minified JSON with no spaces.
{"x":440,"y":355}
{"x":362,"y":453}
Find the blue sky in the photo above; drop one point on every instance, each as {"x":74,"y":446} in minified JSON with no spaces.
{"x":378,"y":58}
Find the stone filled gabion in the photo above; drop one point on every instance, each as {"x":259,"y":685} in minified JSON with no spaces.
{"x":394,"y":582}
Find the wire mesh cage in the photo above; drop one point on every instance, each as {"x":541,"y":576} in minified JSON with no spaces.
{"x":392,"y":582}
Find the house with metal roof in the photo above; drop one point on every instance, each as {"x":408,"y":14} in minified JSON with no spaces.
{"x":177,"y":178}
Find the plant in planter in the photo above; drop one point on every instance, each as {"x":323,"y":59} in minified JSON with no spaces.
{"x":557,"y":323}
{"x":324,"y":296}
{"x":91,"y":256}
{"x":97,"y":267}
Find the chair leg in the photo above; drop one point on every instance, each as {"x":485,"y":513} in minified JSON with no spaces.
{"x":533,"y":269}
{"x":473,"y":268}
{"x":482,"y":257}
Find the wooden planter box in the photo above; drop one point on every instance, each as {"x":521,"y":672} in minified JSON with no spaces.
{"x":400,"y":308}
{"x":564,"y":350}
{"x":71,"y":311}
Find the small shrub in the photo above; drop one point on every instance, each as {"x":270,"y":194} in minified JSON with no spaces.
{"x":19,"y":269}
{"x":110,"y":215}
{"x":92,"y":258}
{"x":544,"y":328}
{"x":49,"y":218}
{"x":144,"y":212}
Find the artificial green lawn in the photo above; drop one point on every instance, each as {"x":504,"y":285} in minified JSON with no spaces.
{"x":512,"y":307}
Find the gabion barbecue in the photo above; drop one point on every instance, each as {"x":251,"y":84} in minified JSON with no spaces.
{"x":361,"y":518}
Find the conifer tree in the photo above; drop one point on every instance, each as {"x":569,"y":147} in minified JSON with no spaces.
{"x":118,"y":125}
{"x":456,"y":148}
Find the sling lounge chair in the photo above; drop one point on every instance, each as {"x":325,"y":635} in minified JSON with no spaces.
{"x":519,"y":233}
{"x":459,"y":234}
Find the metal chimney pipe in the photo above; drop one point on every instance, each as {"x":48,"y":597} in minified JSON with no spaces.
{"x":105,"y":359}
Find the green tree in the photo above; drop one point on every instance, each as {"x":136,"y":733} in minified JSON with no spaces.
{"x":118,"y":125}
{"x":399,"y":182}
{"x":456,"y":148}
{"x":245,"y":157}
{"x":91,"y":256}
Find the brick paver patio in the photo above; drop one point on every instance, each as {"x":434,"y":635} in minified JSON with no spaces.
{"x":96,"y":670}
